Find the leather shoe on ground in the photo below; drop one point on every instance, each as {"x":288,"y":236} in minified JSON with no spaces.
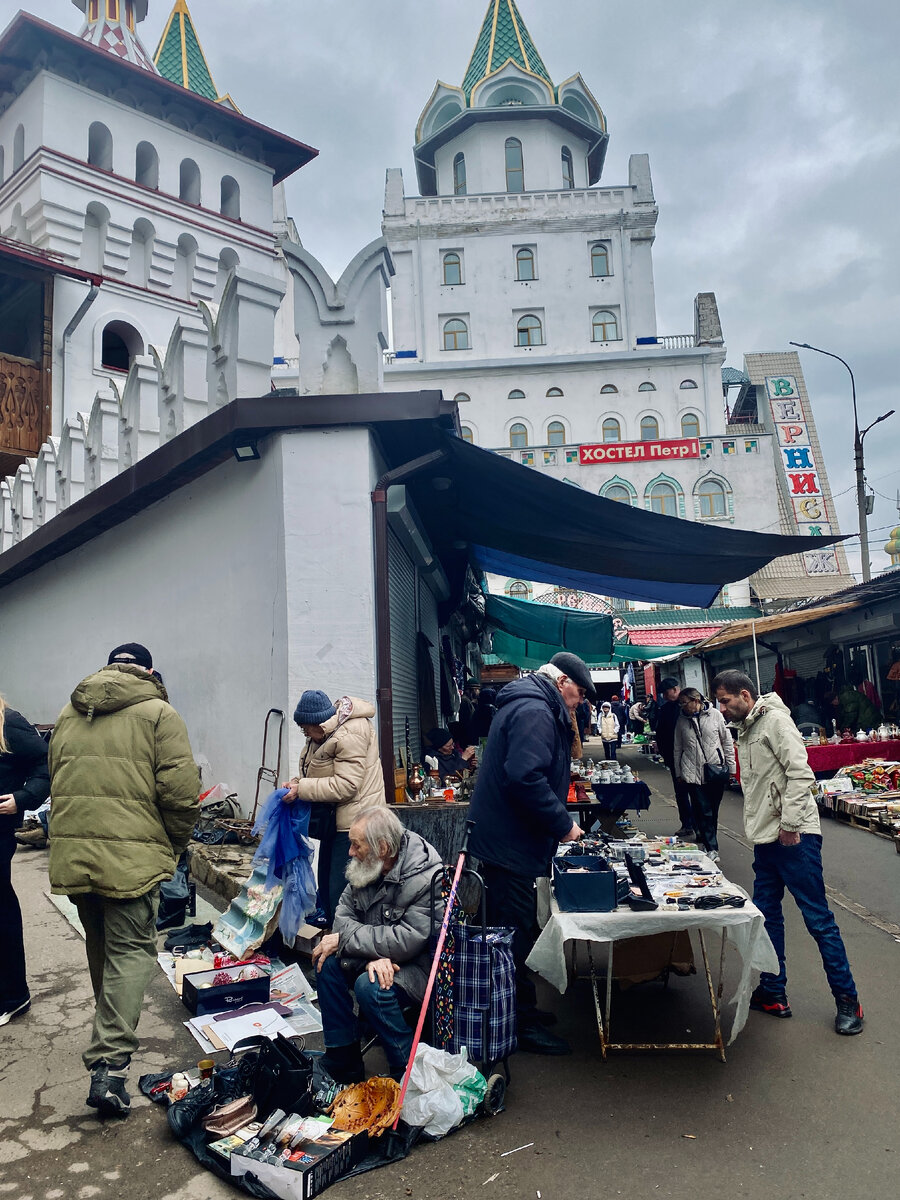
{"x":34,"y":839}
{"x":345,"y":1063}
{"x":535,"y":1039}
{"x":849,"y":1019}
{"x":685,"y":832}
{"x":770,"y":1002}
{"x":107,"y":1093}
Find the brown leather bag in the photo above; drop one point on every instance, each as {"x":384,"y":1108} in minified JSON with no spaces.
{"x":229,"y":1118}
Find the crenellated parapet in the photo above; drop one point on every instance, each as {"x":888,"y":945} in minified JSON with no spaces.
{"x":213,"y":355}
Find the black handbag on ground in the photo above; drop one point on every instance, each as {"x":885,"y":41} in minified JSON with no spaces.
{"x":278,"y":1075}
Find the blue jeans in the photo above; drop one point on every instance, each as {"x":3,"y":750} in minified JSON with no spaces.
{"x":380,"y":1008}
{"x":333,"y":858}
{"x":799,"y":869}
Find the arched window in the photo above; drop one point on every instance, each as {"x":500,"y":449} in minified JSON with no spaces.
{"x":599,"y":259}
{"x":609,"y":389}
{"x":529,"y":331}
{"x":466,"y":432}
{"x":459,"y":175}
{"x":619,"y":493}
{"x":690,"y":426}
{"x":119,"y":345}
{"x":568,"y":169}
{"x":189,"y":182}
{"x":93,"y":243}
{"x":452,"y":264}
{"x":515,"y":166}
{"x":146,"y":165}
{"x":516,"y":394}
{"x":664,"y":500}
{"x":554,"y":391}
{"x":556,"y":434}
{"x":141,"y":257}
{"x":518,"y":436}
{"x":185,"y":261}
{"x":230,"y":198}
{"x":525,"y":263}
{"x":228,"y":261}
{"x":517,"y":590}
{"x":649,"y":429}
{"x":612,"y":430}
{"x":456,"y":335}
{"x":18,"y":147}
{"x":462,"y":397}
{"x":686,"y":384}
{"x":711,"y":495}
{"x":604,"y":327}
{"x":100,"y":147}
{"x":647,"y":387}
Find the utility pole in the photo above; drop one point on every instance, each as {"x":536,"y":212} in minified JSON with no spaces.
{"x":858,"y":461}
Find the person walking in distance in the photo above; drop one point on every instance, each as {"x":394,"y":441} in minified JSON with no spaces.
{"x":609,"y":730}
{"x":124,"y":786}
{"x":666,"y":720}
{"x":781,"y":819}
{"x":704,"y":760}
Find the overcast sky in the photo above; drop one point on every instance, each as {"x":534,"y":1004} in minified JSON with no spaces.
{"x":773,"y":136}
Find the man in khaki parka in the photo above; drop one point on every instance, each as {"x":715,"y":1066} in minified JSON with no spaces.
{"x":124,"y":786}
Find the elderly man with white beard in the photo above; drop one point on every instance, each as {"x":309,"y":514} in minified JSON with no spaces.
{"x":378,"y":948}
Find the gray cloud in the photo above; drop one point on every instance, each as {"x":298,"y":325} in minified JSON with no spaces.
{"x":771,"y":130}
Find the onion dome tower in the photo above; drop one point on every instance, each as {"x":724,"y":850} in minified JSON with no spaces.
{"x":112,"y":25}
{"x":506,"y":83}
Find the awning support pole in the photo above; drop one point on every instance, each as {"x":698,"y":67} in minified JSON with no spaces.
{"x":384,"y":694}
{"x":755,"y":655}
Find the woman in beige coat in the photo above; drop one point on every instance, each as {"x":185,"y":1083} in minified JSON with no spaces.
{"x":339,"y":767}
{"x":701,"y":737}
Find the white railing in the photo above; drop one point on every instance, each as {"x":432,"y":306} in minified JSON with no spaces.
{"x":585,"y":200}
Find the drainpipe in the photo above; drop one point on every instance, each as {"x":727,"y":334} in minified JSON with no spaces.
{"x":384,"y":694}
{"x":76,"y":320}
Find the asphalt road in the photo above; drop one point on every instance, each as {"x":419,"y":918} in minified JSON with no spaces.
{"x":795,"y":1111}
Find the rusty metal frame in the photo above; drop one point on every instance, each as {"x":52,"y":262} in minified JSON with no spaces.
{"x":715,"y":999}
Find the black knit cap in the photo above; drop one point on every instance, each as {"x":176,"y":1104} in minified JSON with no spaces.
{"x":576,"y":669}
{"x":131,"y":653}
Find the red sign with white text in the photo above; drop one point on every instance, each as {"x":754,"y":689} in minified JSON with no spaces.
{"x":620,"y":452}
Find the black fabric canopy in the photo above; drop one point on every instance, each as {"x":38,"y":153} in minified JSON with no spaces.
{"x":510,"y":514}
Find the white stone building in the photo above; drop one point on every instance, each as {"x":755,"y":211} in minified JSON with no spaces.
{"x":525,"y":290}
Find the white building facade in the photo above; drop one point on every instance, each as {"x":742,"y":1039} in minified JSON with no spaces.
{"x":526,"y":292}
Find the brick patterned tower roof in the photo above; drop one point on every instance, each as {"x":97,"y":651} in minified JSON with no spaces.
{"x":112,"y":25}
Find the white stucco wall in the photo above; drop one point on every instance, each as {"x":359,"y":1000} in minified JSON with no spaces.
{"x":484,"y":147}
{"x":248,"y":585}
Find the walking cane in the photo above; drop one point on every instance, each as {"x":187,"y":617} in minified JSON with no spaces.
{"x":442,"y":937}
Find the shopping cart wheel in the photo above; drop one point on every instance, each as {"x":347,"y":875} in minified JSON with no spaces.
{"x":494,"y":1096}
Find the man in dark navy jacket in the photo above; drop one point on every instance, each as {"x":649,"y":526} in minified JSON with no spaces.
{"x":520,"y":815}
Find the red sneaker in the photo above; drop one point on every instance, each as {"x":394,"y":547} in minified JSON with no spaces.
{"x":773,"y":1003}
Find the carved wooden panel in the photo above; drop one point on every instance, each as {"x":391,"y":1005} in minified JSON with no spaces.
{"x":21,"y":405}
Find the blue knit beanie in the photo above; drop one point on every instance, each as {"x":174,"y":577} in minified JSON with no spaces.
{"x":313,"y":708}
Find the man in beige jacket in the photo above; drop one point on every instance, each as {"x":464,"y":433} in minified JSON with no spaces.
{"x":782,"y":820}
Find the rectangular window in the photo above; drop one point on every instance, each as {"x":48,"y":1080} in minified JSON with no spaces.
{"x":112,"y":9}
{"x":728,"y":448}
{"x":751,"y":446}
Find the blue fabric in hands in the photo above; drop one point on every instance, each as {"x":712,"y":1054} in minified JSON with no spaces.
{"x":288,"y":854}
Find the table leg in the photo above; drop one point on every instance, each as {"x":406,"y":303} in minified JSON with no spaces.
{"x":715,"y":992}
{"x":602,"y":1026}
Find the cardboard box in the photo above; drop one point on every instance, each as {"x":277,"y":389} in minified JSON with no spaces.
{"x":329,"y":1159}
{"x":201,"y":1000}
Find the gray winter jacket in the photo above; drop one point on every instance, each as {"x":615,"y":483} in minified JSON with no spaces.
{"x":391,"y":918}
{"x":714,"y":744}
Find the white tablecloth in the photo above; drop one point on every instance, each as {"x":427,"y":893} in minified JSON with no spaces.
{"x":744,"y":930}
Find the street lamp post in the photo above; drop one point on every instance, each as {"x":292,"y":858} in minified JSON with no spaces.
{"x":857,"y":460}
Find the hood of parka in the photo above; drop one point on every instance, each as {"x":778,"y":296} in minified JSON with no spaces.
{"x":116,"y":687}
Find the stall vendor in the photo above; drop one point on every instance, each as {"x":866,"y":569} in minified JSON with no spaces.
{"x":450,"y":760}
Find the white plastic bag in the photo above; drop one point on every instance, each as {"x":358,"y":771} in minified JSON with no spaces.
{"x":431,"y":1100}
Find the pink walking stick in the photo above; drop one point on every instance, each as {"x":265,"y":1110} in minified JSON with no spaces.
{"x":442,"y":937}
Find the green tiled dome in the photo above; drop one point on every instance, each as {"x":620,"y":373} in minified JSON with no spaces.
{"x":503,"y":36}
{"x":179,"y":56}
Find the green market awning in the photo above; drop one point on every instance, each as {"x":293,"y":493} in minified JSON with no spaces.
{"x":589,"y":635}
{"x":530,"y":655}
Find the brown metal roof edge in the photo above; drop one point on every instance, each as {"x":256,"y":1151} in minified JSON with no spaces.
{"x":288,"y":146}
{"x":743,"y":630}
{"x":43,"y":260}
{"x":200,"y":449}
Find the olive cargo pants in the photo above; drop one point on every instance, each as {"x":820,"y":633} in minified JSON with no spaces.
{"x":120,"y":938}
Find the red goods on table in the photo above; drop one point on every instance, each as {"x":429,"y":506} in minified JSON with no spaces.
{"x":831,"y":758}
